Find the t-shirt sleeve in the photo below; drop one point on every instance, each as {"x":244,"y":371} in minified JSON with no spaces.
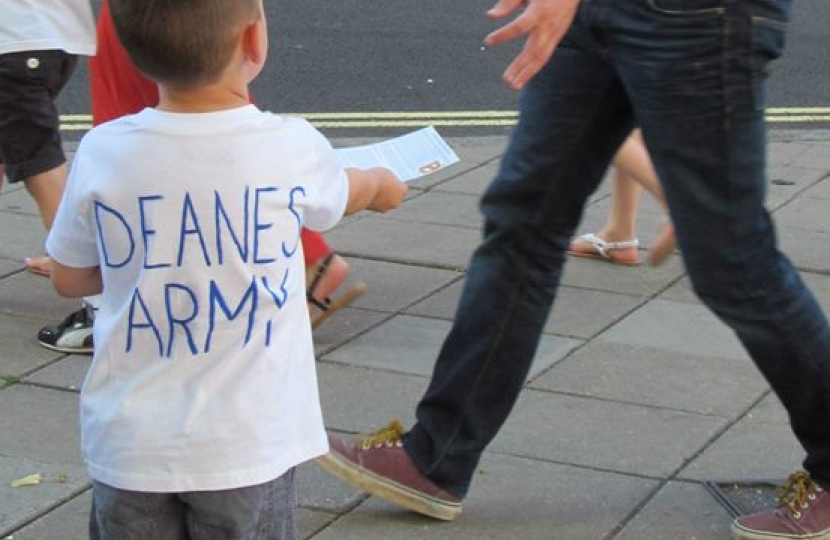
{"x":330,"y":186}
{"x":71,"y":240}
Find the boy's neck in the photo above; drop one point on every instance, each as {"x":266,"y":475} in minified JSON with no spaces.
{"x":209,"y":98}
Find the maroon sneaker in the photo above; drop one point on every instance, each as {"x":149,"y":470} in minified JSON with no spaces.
{"x":803,"y":513}
{"x":379,"y":465}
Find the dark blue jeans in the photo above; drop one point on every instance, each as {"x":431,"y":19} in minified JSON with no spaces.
{"x":691,"y":74}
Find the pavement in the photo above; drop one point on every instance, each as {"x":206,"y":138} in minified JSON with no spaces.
{"x":643,"y":417}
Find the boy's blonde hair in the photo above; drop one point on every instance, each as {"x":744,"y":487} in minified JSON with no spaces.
{"x":182,"y":43}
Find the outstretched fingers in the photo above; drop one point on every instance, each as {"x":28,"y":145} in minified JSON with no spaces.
{"x":543,"y":21}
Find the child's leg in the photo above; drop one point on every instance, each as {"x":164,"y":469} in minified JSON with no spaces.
{"x":117,"y":514}
{"x":326,"y":271}
{"x":261,"y":512}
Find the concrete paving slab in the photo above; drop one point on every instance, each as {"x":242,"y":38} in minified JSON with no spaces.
{"x":679,"y":511}
{"x":475,"y":151}
{"x":822,"y":189}
{"x":602,"y":434}
{"x":808,"y":213}
{"x":344,"y":326}
{"x":769,"y":410}
{"x":362,"y":400}
{"x":474,"y":182}
{"x":439,"y":306}
{"x":681,"y":291}
{"x":820,"y":285}
{"x":39,"y":301}
{"x":786,"y":183}
{"x":28,"y":238}
{"x":432,"y":208}
{"x":584,"y":313}
{"x":34,"y":415}
{"x":318,"y":490}
{"x":579,"y":313}
{"x":814,"y":155}
{"x":67,"y":373}
{"x":642,"y":281}
{"x":408,"y":344}
{"x":807,"y":249}
{"x":677,"y":327}
{"x":511,"y":497}
{"x":755,"y":448}
{"x":425,"y":244}
{"x":69,"y":521}
{"x":394,"y":286}
{"x":20,"y":353}
{"x":20,"y":505}
{"x":649,"y":376}
{"x":19,"y":202}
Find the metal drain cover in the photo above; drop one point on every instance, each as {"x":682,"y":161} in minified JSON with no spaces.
{"x":740,"y":498}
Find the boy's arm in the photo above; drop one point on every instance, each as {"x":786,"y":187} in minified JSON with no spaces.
{"x":375,"y":189}
{"x":76,"y":282}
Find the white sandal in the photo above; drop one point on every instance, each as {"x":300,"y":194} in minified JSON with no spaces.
{"x":602,"y":250}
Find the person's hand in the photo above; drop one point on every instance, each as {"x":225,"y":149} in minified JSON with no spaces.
{"x":391,"y":191}
{"x":545,"y":23}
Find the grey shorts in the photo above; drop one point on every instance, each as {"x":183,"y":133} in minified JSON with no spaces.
{"x":262,"y":512}
{"x":30,"y":141}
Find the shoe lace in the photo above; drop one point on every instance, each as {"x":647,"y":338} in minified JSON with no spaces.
{"x":797,"y":493}
{"x":390,"y":435}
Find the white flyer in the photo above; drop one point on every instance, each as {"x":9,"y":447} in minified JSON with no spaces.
{"x":409,"y":156}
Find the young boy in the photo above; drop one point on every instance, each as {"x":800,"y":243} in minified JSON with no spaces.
{"x":202,"y":397}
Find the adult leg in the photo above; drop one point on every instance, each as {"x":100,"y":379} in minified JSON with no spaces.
{"x":30,"y":143}
{"x":701,"y":110}
{"x":574,"y":115}
{"x":633,"y":161}
{"x":616,"y":241}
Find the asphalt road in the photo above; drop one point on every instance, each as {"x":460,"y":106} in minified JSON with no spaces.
{"x":382,"y":67}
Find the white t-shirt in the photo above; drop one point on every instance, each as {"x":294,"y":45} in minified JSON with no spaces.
{"x":37,"y":25}
{"x":203,"y":376}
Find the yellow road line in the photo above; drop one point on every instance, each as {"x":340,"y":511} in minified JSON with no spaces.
{"x":386,"y":119}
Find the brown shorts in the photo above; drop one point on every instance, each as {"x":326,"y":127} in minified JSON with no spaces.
{"x":30,"y":141}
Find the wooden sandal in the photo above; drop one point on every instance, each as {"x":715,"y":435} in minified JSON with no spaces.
{"x":328,"y":306}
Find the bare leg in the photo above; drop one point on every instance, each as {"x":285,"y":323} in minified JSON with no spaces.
{"x":633,"y":161}
{"x":46,"y":189}
{"x":633,"y":173}
{"x":621,"y":224}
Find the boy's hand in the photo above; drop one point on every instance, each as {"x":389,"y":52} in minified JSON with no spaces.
{"x":391,"y":191}
{"x":376,"y":189}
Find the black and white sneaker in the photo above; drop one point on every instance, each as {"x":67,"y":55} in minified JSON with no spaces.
{"x":72,"y":335}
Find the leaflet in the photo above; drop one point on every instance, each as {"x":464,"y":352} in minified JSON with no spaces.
{"x":409,"y":156}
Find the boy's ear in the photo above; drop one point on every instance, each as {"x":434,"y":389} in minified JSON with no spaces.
{"x":255,"y":42}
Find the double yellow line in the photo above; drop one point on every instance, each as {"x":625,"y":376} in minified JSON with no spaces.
{"x":798,"y":115}
{"x":795,"y":115}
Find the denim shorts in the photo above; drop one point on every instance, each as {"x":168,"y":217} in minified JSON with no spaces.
{"x":261,"y":512}
{"x":30,"y":141}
